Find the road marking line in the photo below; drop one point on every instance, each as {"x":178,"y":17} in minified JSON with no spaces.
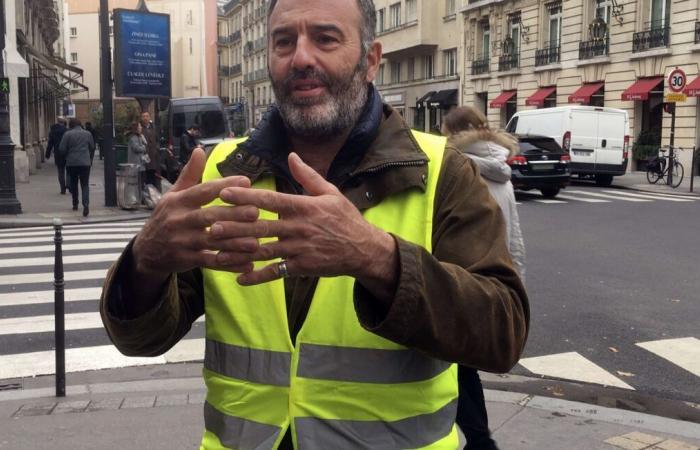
{"x":548,"y":201}
{"x":69,"y":238}
{"x":50,"y":233}
{"x":93,"y":358}
{"x":683,"y":352}
{"x":39,"y":297}
{"x":595,"y":194}
{"x":651,"y":196}
{"x":572,"y":366}
{"x":30,"y":278}
{"x":67,"y":247}
{"x":581,"y":199}
{"x":48,"y":261}
{"x":74,"y":227}
{"x":47,"y":323}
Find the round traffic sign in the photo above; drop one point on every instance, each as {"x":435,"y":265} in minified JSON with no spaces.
{"x":677,"y":80}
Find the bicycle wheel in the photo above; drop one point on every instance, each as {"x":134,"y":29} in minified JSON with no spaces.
{"x":653,"y":176}
{"x":678,"y":173}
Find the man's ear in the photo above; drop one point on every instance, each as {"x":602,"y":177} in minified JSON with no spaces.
{"x":374,"y":57}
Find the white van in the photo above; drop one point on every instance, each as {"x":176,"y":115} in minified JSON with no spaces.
{"x":596,"y":138}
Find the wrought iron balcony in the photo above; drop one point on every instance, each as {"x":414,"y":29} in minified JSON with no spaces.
{"x":595,"y":47}
{"x":235,"y":70}
{"x":480,"y":65}
{"x":654,"y":37}
{"x":697,"y":32}
{"x":508,"y":62}
{"x":550,"y":54}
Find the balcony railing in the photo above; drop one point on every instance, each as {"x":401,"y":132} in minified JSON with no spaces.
{"x":418,"y":80}
{"x":255,"y":76}
{"x":697,"y":32}
{"x":591,"y":49}
{"x":235,"y":70}
{"x":508,"y":62}
{"x":481,"y":65}
{"x":224,"y":71}
{"x":550,"y":54}
{"x":654,"y":37}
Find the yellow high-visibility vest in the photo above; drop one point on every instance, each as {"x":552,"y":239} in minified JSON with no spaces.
{"x":340,"y":386}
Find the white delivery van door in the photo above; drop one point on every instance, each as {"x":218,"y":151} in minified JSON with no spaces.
{"x":611,"y":139}
{"x":584,"y":139}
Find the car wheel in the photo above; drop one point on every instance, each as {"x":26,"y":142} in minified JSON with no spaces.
{"x":550,"y":191}
{"x":603,"y":180}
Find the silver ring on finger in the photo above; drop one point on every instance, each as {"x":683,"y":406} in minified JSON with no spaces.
{"x":282,"y":269}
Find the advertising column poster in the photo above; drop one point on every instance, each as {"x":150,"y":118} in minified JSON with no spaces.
{"x":141,"y":54}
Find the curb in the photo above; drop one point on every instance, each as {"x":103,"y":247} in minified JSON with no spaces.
{"x":42,"y":222}
{"x":195,"y":386}
{"x":650,"y":190}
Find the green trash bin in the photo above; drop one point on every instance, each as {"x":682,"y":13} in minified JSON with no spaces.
{"x":120,"y":150}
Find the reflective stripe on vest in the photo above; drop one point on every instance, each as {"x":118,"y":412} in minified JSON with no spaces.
{"x":346,"y":387}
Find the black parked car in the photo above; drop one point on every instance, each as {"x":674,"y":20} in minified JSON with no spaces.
{"x":541,"y":164}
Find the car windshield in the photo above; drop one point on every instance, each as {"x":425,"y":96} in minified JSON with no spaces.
{"x":211,"y":122}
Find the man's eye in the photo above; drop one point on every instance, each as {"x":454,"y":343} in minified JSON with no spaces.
{"x":281,"y":43}
{"x":327,"y":39}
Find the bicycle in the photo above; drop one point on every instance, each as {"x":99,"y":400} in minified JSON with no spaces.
{"x":657,"y":169}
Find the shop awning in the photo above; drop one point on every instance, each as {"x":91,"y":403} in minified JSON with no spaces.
{"x":693,"y":89}
{"x":66,"y":66}
{"x":420,"y":103}
{"x":537,"y":99}
{"x":501,"y":100}
{"x":15,"y":64}
{"x":640,"y":89}
{"x":443,"y":99}
{"x":585,"y":92}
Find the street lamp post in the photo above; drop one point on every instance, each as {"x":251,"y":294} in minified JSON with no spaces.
{"x":8,"y":196}
{"x":107,"y":112}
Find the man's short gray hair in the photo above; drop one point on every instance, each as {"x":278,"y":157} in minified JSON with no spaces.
{"x":368,"y":22}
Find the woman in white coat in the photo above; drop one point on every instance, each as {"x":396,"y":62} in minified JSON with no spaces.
{"x":467,"y":130}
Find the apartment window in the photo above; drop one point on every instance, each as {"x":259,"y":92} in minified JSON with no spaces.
{"x":73,"y":31}
{"x":380,"y":20}
{"x":74,"y":58}
{"x":485,"y":40}
{"x":450,"y":7}
{"x":380,"y":75}
{"x":411,"y":69}
{"x":411,"y":10}
{"x":190,"y":46}
{"x":189,"y":18}
{"x":554,"y":24}
{"x":660,"y":10}
{"x":450,"y":59}
{"x":428,"y":66}
{"x":395,"y":15}
{"x":514,"y":31}
{"x":396,"y":72}
{"x":603,"y":9}
{"x":111,"y":30}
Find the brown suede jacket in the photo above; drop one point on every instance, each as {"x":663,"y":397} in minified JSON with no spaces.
{"x":463,"y":303}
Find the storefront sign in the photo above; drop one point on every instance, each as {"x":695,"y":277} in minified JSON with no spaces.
{"x":141,"y":54}
{"x":394,"y":99}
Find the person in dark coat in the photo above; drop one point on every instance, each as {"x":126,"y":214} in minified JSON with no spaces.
{"x":153,"y":150}
{"x":77,"y":147}
{"x":55,"y":136}
{"x":93,"y":132}
{"x":188,"y":142}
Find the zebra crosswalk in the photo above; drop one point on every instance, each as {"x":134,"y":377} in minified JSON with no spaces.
{"x":27,"y":320}
{"x":574,"y":194}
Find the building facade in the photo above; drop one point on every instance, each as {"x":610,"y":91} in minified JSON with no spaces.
{"x":526,"y":54}
{"x":420,"y":70}
{"x":230,"y":64}
{"x":193,"y":46}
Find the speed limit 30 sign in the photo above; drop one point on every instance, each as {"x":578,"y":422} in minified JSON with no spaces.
{"x":676,"y":84}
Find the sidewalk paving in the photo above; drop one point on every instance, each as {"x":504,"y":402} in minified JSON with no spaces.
{"x":160,"y":407}
{"x":638,"y":181}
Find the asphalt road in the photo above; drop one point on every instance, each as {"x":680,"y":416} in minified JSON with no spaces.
{"x":603,"y":277}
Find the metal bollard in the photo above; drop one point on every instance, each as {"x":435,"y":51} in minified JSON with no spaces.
{"x":692,"y":168}
{"x":59,"y":309}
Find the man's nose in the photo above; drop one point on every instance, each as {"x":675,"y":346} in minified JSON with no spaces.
{"x":303,"y":54}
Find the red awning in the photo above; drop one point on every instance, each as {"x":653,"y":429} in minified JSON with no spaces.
{"x":537,"y":99}
{"x":585,"y":92}
{"x":693,"y":89}
{"x":640,"y":89}
{"x":501,"y":100}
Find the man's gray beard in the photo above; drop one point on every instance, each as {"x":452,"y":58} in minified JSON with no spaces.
{"x":337,"y":113}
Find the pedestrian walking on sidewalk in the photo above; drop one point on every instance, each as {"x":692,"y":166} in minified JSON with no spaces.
{"x":188,"y":142}
{"x":137,"y":152}
{"x":55,"y":136}
{"x":343,"y":262}
{"x":152,"y":149}
{"x":89,"y":128}
{"x":78,"y":148}
{"x":469,"y":133}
